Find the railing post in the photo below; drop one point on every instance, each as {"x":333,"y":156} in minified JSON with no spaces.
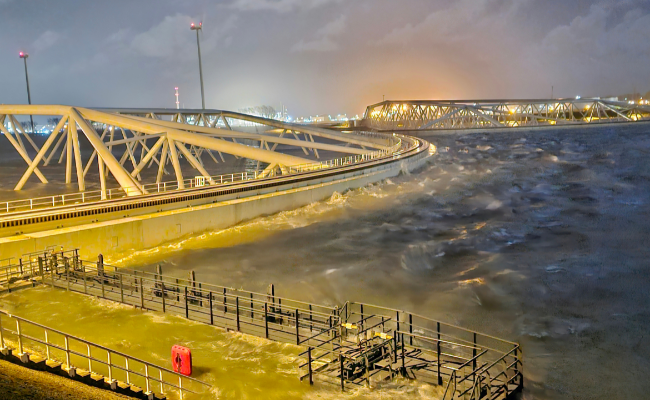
{"x":517,"y":363}
{"x":47,"y":345}
{"x":2,"y":338}
{"x":126,"y":361}
{"x":297,"y":328}
{"x":395,"y":347}
{"x":52,"y":264}
{"x":90,"y":360}
{"x":20,"y":337}
{"x":341,"y":371}
{"x":162,"y":291}
{"x":67,"y":352}
{"x":311,"y":378}
{"x":187,"y":307}
{"x":162,"y":385}
{"x":252,"y":309}
{"x":438,"y":348}
{"x":266,"y":319}
{"x":474,"y":355}
{"x":66,"y":264}
{"x":211,"y":312}
{"x":403,"y":356}
{"x":83,"y":269}
{"x":41,"y":270}
{"x":141,"y":294}
{"x":237,"y":305}
{"x":146,"y":377}
{"x":225,"y":302}
{"x":121,"y":289}
{"x":110,"y":366}
{"x":411,"y":329}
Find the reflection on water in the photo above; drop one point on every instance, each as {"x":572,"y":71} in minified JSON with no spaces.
{"x":538,"y":237}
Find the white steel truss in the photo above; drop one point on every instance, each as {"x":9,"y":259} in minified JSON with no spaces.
{"x":126,"y":141}
{"x":469,"y":114}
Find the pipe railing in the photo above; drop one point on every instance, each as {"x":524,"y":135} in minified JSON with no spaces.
{"x":331,"y":334}
{"x":136,"y":372}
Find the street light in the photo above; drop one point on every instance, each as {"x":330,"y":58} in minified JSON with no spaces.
{"x":197,"y":28}
{"x":24,"y":56}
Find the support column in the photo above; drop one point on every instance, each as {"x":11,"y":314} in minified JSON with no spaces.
{"x":68,"y":151}
{"x":77,"y":157}
{"x":163,"y":161}
{"x":176,"y":163}
{"x":102,"y":177}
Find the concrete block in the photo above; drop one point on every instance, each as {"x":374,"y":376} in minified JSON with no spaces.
{"x":24,"y":357}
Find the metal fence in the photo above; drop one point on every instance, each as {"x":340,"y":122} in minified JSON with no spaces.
{"x":78,"y":356}
{"x":349,"y":345}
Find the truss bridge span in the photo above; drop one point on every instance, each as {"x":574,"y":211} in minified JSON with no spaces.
{"x":408,"y":115}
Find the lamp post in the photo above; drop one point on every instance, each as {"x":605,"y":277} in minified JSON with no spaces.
{"x":197,"y":28}
{"x":24,"y":56}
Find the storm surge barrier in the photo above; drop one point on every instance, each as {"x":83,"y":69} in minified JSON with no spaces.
{"x":352,"y":344}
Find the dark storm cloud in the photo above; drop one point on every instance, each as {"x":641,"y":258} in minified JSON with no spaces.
{"x":321,"y":56}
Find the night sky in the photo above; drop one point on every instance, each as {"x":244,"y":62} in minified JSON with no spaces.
{"x":320,"y":56}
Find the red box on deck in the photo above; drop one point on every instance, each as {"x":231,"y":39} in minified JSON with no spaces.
{"x":182,"y":360}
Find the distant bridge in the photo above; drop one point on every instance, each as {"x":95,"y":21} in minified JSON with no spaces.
{"x":472,"y":114}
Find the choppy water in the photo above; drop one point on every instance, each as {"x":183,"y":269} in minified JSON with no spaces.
{"x":539,"y":237}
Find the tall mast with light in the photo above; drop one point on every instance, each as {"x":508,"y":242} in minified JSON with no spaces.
{"x":24,"y":56}
{"x":197,"y":28}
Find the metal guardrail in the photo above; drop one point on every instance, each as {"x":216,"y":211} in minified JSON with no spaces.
{"x":345,"y":345}
{"x":96,"y":359}
{"x":467,"y":360}
{"x":199,"y":181}
{"x":272,"y":317}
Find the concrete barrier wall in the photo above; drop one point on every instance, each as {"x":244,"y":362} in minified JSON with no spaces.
{"x":151,"y":230}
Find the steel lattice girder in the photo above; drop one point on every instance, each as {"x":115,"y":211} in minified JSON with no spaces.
{"x":172,"y":138}
{"x":210,"y":117}
{"x":499,"y":113}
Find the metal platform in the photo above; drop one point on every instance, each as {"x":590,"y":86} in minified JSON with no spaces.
{"x":349,"y":345}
